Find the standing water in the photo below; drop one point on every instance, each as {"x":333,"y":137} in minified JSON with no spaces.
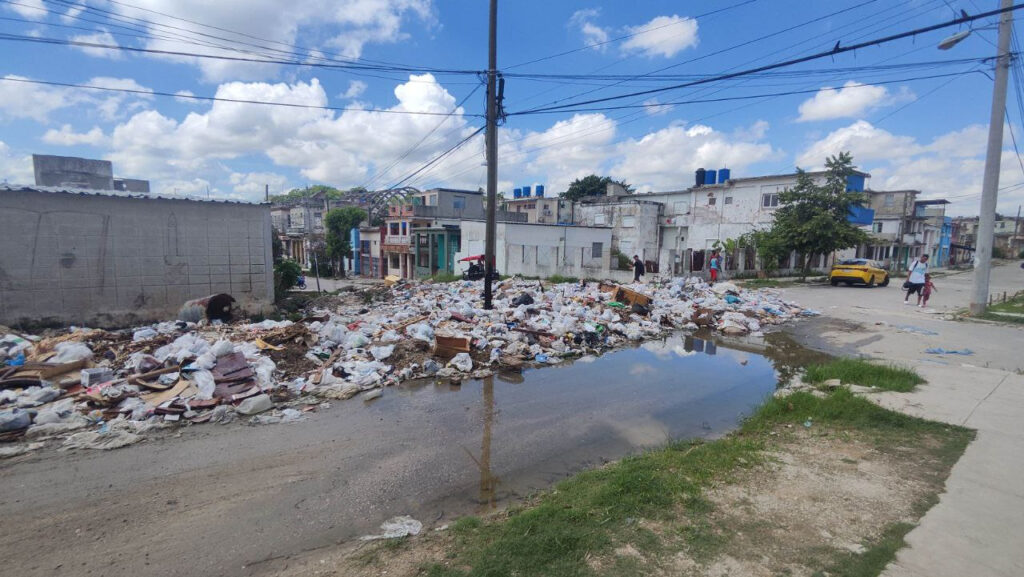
{"x":507,"y":436}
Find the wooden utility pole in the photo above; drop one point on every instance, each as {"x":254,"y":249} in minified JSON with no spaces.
{"x":492,"y":153}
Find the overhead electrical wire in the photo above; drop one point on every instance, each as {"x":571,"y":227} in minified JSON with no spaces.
{"x":437,"y":158}
{"x":232,"y":100}
{"x":384,"y":172}
{"x":838,"y":49}
{"x":593,"y":45}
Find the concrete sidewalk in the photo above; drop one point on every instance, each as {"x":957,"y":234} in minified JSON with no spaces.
{"x":977,"y":528}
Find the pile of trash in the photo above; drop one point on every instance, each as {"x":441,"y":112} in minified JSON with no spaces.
{"x":105,"y":389}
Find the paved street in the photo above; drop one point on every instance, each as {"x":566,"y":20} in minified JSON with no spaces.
{"x":975,"y":528}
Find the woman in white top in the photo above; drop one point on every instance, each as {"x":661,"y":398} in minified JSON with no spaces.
{"x":916,"y":280}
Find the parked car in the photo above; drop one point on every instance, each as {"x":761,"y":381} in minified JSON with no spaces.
{"x":859,"y":270}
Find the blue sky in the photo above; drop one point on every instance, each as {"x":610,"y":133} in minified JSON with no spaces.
{"x":913,"y":116}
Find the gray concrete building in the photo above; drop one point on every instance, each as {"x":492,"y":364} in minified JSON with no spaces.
{"x":73,"y":172}
{"x":73,"y":256}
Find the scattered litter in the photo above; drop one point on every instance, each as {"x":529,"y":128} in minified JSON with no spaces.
{"x":104,"y":389}
{"x":914,"y":330}
{"x":395,"y":528}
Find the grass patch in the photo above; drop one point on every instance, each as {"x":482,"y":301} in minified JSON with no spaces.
{"x":873,"y":561}
{"x":860,"y":372}
{"x":589,"y":515}
{"x":559,"y":279}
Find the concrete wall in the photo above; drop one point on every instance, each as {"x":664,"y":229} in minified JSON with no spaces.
{"x":542,"y":250}
{"x":634,"y":224}
{"x":73,"y":171}
{"x":103,"y":260}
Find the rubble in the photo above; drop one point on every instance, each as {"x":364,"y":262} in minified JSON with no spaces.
{"x":107,"y":389}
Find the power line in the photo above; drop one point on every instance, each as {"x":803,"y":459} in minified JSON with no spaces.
{"x":353,"y":66}
{"x":233,"y":100}
{"x":627,"y":36}
{"x":437,"y":158}
{"x":727,"y":49}
{"x":390,"y":166}
{"x":755,"y":96}
{"x":836,"y":50}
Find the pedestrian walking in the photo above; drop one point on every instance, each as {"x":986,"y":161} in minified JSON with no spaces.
{"x":915,"y":281}
{"x":638,"y":268}
{"x":715,"y":266}
{"x":926,"y":291}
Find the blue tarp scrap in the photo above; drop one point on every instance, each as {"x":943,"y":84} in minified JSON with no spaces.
{"x":942,"y":351}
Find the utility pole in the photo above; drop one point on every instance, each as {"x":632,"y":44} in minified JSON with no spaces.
{"x":492,"y":152}
{"x":266,"y":193}
{"x":990,"y":185}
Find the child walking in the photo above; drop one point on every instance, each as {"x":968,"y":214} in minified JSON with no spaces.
{"x":926,"y":291}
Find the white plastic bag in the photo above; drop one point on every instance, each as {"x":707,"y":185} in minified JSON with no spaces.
{"x":381,"y":353}
{"x":463,"y":362}
{"x":68,"y":352}
{"x":421,"y":332}
{"x":222,"y":347}
{"x":203,"y":380}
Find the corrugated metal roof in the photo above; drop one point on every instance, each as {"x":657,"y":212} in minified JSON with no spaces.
{"x":116,"y":193}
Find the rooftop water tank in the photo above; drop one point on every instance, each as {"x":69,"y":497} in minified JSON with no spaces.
{"x":517,"y":193}
{"x":709,"y":176}
{"x":723,"y":175}
{"x":700,"y":176}
{"x":526,"y":191}
{"x":540,"y":190}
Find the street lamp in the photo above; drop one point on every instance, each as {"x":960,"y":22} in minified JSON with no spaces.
{"x":990,"y":183}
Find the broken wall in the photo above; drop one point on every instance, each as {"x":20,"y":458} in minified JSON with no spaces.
{"x":103,"y":260}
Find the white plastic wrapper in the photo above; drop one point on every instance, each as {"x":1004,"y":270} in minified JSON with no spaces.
{"x":381,"y":353}
{"x":463,"y":362}
{"x":68,"y":352}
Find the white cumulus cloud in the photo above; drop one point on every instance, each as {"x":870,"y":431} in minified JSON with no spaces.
{"x":662,"y":36}
{"x":666,"y":158}
{"x":346,"y":27}
{"x":356,"y":88}
{"x":32,"y":9}
{"x":949,"y":166}
{"x":15,"y":168}
{"x":102,"y":37}
{"x":850,"y":101}
{"x":67,"y":136}
{"x":592,"y":33}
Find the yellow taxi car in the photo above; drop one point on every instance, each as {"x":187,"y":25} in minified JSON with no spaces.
{"x":859,"y":270}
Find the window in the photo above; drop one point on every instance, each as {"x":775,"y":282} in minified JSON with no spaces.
{"x":459,"y":202}
{"x":432,"y":200}
{"x":596,"y":249}
{"x":728,"y":200}
{"x":404,"y":229}
{"x":711,"y":201}
{"x":628,"y":221}
{"x":877,"y":227}
{"x":770,"y":200}
{"x":394,"y":261}
{"x":393,"y":228}
{"x":890,"y":199}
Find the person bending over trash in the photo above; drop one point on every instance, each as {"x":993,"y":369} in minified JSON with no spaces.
{"x":638,"y":268}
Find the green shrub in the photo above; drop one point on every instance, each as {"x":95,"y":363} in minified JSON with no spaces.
{"x":286,"y":276}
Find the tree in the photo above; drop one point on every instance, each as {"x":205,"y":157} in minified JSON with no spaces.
{"x":276,"y":246}
{"x":592,"y":185}
{"x":813,"y":219}
{"x":339,"y":223}
{"x":769,"y":247}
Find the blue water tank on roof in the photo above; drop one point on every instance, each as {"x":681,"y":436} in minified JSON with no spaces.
{"x":526,"y":191}
{"x":517,"y":193}
{"x":540,"y":190}
{"x":723,"y":175}
{"x":855,"y":183}
{"x":709,"y":176}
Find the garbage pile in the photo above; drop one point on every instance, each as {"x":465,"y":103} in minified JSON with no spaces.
{"x":100,"y":389}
